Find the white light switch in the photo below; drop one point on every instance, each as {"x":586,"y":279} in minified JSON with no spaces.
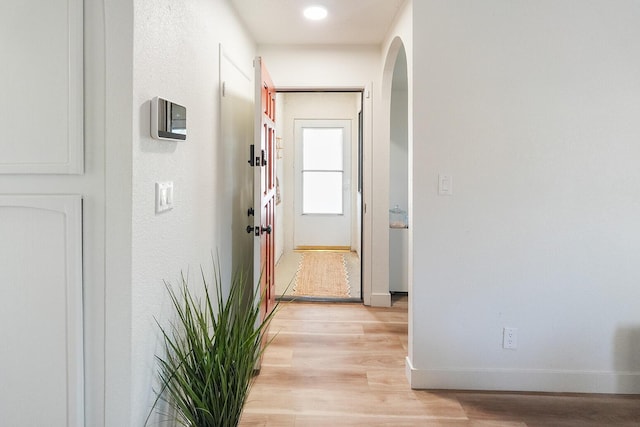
{"x":445,"y":185}
{"x":164,"y":196}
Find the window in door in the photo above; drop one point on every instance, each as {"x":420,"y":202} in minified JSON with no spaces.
{"x":322,"y":171}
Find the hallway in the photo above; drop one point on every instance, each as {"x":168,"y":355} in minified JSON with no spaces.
{"x":343,"y":365}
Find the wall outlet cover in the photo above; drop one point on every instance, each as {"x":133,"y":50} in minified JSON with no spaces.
{"x":510,"y":338}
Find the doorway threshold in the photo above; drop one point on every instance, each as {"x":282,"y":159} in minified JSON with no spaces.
{"x":293,"y":298}
{"x":322,"y":249}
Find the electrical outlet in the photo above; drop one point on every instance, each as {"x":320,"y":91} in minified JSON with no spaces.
{"x":510,"y":338}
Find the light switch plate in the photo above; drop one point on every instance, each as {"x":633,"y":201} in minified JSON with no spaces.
{"x":164,"y":196}
{"x":445,"y":185}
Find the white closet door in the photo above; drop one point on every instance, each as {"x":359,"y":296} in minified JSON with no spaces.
{"x":41,"y":356}
{"x":41,"y":101}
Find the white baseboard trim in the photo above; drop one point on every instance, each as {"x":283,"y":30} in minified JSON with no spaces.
{"x":408,"y":369}
{"x":524,"y":380}
{"x":381,"y":299}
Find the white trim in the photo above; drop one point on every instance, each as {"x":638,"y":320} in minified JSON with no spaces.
{"x":408,"y":369}
{"x":76,"y":88}
{"x":367,"y":191}
{"x":381,"y":299}
{"x":542,"y":380}
{"x":294,"y":89}
{"x":367,"y":91}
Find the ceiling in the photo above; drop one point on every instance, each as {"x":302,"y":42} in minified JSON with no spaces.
{"x":353,"y":22}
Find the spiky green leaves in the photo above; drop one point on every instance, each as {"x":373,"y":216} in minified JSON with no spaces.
{"x":211,"y":350}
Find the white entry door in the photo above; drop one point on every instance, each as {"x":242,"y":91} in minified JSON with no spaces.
{"x":234,"y":176}
{"x":322,"y":183}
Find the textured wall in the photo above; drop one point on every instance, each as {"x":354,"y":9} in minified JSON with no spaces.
{"x":532,"y":108}
{"x":176,"y":56}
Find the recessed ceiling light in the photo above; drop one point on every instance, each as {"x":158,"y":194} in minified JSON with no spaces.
{"x":315,"y":13}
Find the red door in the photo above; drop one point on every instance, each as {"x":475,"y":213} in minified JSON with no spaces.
{"x":264,"y":186}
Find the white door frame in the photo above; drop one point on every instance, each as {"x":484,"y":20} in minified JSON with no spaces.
{"x":365,"y":199}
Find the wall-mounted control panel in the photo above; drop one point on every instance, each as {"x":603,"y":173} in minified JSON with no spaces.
{"x":168,"y":120}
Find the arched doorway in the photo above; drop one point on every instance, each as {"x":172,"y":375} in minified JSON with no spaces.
{"x":395,"y":135}
{"x":397,"y":132}
{"x":398,"y":177}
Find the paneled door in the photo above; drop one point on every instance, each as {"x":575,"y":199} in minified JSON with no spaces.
{"x":42,"y":372}
{"x":322,"y":184}
{"x":264,"y":181}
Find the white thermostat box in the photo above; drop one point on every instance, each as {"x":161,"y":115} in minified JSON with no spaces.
{"x":168,"y":120}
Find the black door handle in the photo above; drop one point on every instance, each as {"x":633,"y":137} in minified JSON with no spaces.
{"x":250,"y":229}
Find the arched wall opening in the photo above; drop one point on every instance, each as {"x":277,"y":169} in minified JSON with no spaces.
{"x":396,"y":133}
{"x":398,"y":177}
{"x":391,"y":228}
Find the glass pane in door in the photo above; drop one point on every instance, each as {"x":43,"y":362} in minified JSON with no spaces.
{"x":322,"y":149}
{"x":322,"y":170}
{"x":321,"y":192}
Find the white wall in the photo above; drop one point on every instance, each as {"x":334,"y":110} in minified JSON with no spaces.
{"x":317,"y":67}
{"x":90,"y":183}
{"x":176,"y":57}
{"x":398,"y":143}
{"x":532,"y":108}
{"x":117,"y":131}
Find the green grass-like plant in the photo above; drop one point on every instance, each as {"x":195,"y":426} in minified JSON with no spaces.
{"x":210,"y":352}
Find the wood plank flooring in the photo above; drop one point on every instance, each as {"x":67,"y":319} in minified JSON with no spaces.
{"x":343,"y":365}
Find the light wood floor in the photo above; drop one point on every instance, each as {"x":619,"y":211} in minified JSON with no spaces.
{"x":343,"y":365}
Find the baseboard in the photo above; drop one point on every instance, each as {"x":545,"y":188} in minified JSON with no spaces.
{"x":524,"y":380}
{"x":381,"y":299}
{"x":408,"y":370}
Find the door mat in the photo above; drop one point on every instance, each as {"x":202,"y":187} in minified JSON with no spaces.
{"x":322,"y":274}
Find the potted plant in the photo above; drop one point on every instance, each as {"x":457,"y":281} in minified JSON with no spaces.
{"x":210,"y":352}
